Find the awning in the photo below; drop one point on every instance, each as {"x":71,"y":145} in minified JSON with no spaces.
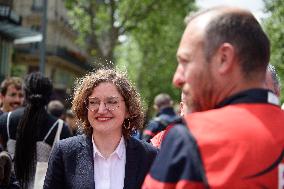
{"x":19,"y":34}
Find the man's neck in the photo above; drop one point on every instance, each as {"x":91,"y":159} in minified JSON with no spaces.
{"x":236,"y":87}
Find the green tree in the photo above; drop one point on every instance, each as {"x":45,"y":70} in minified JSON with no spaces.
{"x":156,"y":40}
{"x":152,"y":29}
{"x":275,"y":29}
{"x":101,"y":22}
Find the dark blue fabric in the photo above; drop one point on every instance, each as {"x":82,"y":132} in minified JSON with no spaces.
{"x":167,"y":111}
{"x":177,"y":161}
{"x":248,"y":96}
{"x":165,"y":117}
{"x":15,"y":118}
{"x":71,"y":164}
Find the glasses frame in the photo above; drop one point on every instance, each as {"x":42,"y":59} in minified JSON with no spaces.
{"x":102,"y":101}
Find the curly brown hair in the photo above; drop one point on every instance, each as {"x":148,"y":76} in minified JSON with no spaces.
{"x":84,"y":88}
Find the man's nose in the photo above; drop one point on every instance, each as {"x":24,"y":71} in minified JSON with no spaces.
{"x":19,"y":99}
{"x":178,"y":79}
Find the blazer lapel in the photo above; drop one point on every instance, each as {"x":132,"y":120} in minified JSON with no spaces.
{"x":132,"y":163}
{"x":85,"y":169}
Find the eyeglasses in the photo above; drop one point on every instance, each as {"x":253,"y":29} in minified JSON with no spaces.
{"x":111,"y":103}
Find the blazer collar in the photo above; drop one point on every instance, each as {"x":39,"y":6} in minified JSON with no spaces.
{"x":132,"y":163}
{"x":86,"y":163}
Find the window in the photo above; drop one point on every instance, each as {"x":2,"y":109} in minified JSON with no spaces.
{"x":37,"y":5}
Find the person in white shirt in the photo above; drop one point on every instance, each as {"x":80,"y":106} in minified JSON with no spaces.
{"x":106,"y":156}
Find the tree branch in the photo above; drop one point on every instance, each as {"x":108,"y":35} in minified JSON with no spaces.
{"x":113,"y":28}
{"x":94,"y":39}
{"x":137,"y":17}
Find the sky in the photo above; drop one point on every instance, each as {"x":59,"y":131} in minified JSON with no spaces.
{"x":255,"y":6}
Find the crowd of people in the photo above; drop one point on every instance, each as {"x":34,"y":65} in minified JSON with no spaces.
{"x":228,"y":132}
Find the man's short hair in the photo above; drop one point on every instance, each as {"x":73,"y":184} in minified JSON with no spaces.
{"x":163,"y":100}
{"x":242,"y":30}
{"x":56,"y":108}
{"x":16,"y":81}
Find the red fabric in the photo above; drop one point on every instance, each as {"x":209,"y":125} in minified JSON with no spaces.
{"x":148,"y":132}
{"x":158,"y":138}
{"x":182,"y":184}
{"x":239,"y":141}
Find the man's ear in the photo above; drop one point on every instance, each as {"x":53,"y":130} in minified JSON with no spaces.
{"x":225,"y":57}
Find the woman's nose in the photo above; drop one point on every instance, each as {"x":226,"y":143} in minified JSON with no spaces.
{"x":102,"y":107}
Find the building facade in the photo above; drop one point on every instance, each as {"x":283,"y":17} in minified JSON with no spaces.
{"x":12,"y":32}
{"x":64,"y":60}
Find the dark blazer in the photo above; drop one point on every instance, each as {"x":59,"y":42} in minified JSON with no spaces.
{"x":71,"y":164}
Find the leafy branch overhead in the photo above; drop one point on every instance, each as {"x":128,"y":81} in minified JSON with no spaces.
{"x":100,"y":22}
{"x":150,"y":29}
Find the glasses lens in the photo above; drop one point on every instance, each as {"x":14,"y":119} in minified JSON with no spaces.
{"x":93,"y":104}
{"x":111,"y":103}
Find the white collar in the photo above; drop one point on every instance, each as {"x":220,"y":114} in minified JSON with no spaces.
{"x":119,"y":151}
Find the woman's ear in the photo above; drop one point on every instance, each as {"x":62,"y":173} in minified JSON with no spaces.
{"x":127,"y":115}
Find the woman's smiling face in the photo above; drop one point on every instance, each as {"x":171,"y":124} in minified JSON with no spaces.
{"x":106,"y":109}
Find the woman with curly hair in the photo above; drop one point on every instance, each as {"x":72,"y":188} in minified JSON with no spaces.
{"x":106,"y":156}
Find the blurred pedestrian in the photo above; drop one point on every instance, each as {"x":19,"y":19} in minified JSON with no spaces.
{"x":106,"y":156}
{"x":184,"y":110}
{"x":73,"y":123}
{"x":29,"y":132}
{"x":233,"y":141}
{"x":57,"y":109}
{"x":163,"y":104}
{"x":11,"y":94}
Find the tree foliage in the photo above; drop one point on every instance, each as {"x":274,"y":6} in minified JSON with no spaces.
{"x":101,"y":22}
{"x":275,"y":29}
{"x":152,"y":29}
{"x":157,"y":38}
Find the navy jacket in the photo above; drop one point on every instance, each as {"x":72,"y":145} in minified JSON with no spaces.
{"x":71,"y":164}
{"x":163,"y":119}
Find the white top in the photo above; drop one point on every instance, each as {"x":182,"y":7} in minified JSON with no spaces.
{"x":109,"y":173}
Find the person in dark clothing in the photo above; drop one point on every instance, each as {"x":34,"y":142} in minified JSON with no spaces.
{"x":184,"y":110}
{"x":25,"y":130}
{"x":163,"y":104}
{"x":73,"y":123}
{"x":57,"y":109}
